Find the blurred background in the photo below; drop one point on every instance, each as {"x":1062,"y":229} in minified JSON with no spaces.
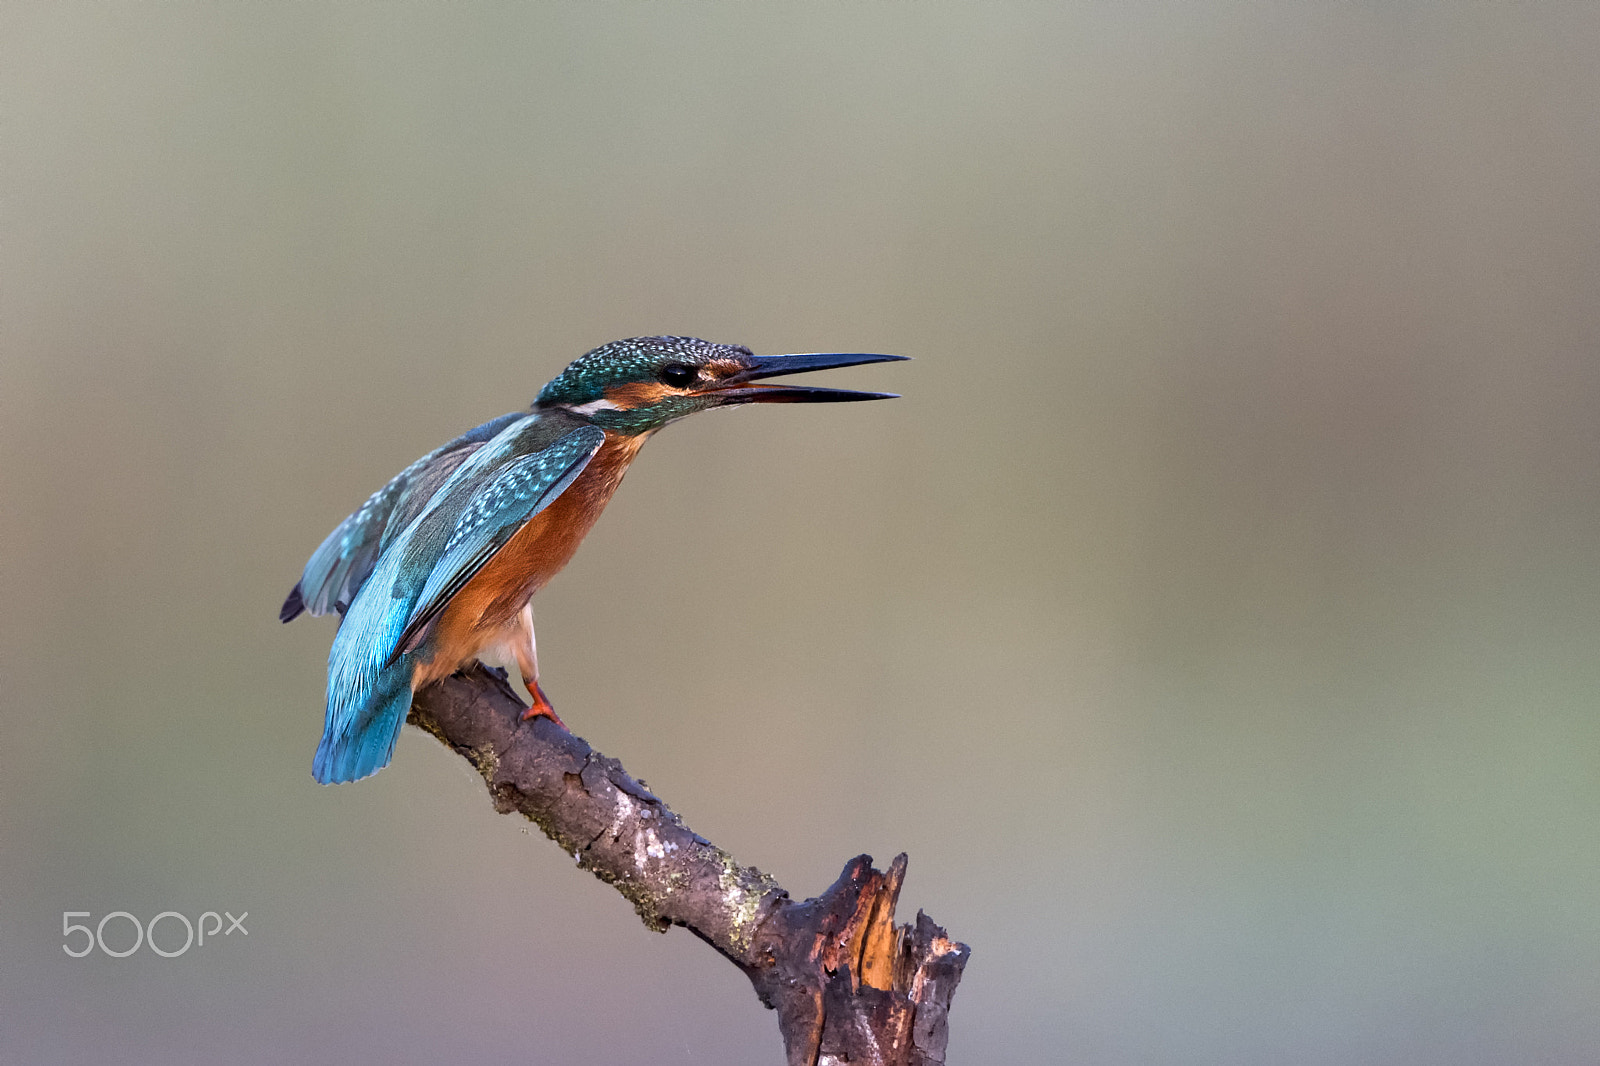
{"x":1213,"y":621}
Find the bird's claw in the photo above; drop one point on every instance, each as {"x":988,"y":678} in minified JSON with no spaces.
{"x":541,"y":706}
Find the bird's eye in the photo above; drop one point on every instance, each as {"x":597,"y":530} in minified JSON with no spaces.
{"x":678,"y":375}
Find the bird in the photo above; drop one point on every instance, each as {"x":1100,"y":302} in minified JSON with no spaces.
{"x":438,"y":568}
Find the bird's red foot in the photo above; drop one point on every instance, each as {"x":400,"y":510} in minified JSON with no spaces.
{"x":541,"y":705}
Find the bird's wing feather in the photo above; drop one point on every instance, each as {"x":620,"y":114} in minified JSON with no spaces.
{"x":344,"y":561}
{"x":518,"y":491}
{"x":480,"y":504}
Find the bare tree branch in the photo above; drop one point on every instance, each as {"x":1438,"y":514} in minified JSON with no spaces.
{"x":848,"y":984}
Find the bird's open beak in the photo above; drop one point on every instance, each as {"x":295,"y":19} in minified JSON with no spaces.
{"x":738,"y":389}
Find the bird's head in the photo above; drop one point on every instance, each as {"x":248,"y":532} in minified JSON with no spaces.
{"x":640,"y":384}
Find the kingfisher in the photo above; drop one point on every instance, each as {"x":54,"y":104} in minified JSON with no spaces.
{"x":438,"y":568}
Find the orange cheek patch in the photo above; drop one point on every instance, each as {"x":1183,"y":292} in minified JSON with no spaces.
{"x":722,"y":368}
{"x":637,"y":394}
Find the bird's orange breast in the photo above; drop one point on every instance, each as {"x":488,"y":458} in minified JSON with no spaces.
{"x":476,"y":616}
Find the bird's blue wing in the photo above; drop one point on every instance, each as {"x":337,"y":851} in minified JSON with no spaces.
{"x":343,"y":561}
{"x":520,"y":490}
{"x":469,"y":518}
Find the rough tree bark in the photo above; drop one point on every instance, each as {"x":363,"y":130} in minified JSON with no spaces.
{"x":848,"y":984}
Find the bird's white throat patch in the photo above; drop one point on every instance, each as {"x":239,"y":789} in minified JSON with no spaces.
{"x":591,"y":407}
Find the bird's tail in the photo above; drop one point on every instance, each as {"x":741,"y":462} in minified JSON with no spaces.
{"x":364,"y":745}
